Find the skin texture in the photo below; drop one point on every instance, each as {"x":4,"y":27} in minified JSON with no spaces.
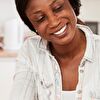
{"x":50,"y":16}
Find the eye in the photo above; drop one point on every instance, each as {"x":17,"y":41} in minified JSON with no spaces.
{"x":40,"y":19}
{"x":58,"y":8}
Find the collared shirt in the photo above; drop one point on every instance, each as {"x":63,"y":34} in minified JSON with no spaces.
{"x":38,"y":75}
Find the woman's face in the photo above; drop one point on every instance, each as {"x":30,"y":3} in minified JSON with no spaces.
{"x":54,"y":20}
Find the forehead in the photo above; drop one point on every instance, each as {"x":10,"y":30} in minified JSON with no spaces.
{"x":38,"y":3}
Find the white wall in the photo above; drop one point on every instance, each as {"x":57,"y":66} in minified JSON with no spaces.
{"x":7,"y":70}
{"x":90,"y":11}
{"x":7,"y":10}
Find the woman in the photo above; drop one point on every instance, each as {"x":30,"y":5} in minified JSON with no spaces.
{"x":60,"y":61}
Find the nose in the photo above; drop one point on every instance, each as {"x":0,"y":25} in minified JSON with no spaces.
{"x":54,"y":21}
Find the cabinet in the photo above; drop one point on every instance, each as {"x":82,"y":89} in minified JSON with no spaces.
{"x":7,"y":70}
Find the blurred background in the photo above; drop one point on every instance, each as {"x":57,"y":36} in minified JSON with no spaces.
{"x":13,"y":31}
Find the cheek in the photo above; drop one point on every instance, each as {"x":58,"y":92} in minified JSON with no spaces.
{"x":69,"y":12}
{"x":71,"y":17}
{"x":41,"y":28}
{"x":68,"y":15}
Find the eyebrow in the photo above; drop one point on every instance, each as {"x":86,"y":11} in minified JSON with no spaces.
{"x":53,"y":2}
{"x":38,"y":11}
{"x":50,"y":5}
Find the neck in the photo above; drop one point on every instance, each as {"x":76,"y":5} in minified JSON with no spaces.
{"x":76,"y":46}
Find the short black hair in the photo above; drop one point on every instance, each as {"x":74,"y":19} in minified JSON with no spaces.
{"x":22,"y":4}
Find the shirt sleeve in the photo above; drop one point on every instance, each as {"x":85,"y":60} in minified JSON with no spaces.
{"x":24,"y":84}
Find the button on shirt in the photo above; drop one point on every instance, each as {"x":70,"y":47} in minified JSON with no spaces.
{"x":38,"y":75}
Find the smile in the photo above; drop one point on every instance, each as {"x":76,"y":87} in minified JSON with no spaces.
{"x":60,"y":32}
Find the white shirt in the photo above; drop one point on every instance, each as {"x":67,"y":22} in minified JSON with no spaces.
{"x":68,"y":95}
{"x":38,"y":75}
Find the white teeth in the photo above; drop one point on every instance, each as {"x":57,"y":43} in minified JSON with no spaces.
{"x":61,"y":31}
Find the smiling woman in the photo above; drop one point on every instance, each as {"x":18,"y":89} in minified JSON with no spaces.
{"x":55,"y":63}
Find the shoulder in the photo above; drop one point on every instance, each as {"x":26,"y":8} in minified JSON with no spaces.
{"x":27,"y":53}
{"x":97,"y":41}
{"x":97,"y":51}
{"x":32,"y":39}
{"x":29,"y":46}
{"x":31,"y":43}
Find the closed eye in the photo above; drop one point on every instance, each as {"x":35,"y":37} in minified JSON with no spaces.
{"x":40,"y":19}
{"x":58,"y":8}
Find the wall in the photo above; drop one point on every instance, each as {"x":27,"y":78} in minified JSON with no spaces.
{"x":90,"y":11}
{"x":7,"y":10}
{"x":7,"y":13}
{"x":7,"y":70}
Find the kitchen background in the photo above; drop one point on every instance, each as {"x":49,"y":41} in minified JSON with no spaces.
{"x":13,"y":31}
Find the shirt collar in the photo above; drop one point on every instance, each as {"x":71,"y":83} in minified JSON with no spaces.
{"x":90,"y":44}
